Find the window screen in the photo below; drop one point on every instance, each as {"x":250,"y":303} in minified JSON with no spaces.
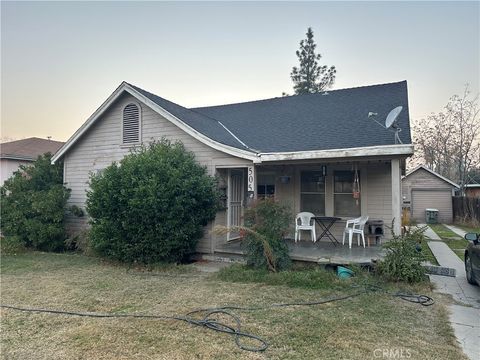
{"x":312,"y":192}
{"x":344,"y":202}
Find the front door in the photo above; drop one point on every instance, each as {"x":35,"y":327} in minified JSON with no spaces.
{"x":236,"y":198}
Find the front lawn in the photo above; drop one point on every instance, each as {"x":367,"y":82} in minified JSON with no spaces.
{"x":357,"y":328}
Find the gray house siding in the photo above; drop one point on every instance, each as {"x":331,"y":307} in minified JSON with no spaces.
{"x":102,"y":144}
{"x":437,"y":199}
{"x":422,"y":190}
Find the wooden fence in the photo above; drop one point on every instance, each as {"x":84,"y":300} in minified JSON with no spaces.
{"x":466,"y":208}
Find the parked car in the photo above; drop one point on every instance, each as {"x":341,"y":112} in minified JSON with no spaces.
{"x":472,"y":258}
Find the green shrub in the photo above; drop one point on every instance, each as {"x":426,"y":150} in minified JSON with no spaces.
{"x":152,"y":206}
{"x":11,"y":245}
{"x":264,"y":245}
{"x":403,"y":261}
{"x":79,"y":241}
{"x":33,"y":205}
{"x":311,"y":276}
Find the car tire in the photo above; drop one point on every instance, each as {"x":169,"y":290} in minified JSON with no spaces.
{"x":469,"y":270}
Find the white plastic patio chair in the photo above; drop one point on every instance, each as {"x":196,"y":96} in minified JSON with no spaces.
{"x":355,"y":226}
{"x":304,"y":221}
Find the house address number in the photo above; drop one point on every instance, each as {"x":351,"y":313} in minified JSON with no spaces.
{"x":251,"y":178}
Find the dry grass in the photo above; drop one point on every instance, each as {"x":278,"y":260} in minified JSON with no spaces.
{"x":351,"y":329}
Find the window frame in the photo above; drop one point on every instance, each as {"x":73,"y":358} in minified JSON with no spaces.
{"x":334,"y":193}
{"x":265,"y":184}
{"x":324,"y":193}
{"x":129,"y":144}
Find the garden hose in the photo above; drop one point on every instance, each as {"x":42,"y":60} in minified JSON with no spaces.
{"x":208,"y":320}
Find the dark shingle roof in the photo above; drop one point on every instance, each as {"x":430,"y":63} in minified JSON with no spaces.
{"x":29,"y":148}
{"x":202,"y":123}
{"x":337,"y":119}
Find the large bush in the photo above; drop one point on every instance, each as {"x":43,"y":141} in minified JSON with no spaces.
{"x":33,"y":204}
{"x":151,"y":206}
{"x":266,"y":224}
{"x":403,"y":261}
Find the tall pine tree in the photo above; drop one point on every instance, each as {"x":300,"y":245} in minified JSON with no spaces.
{"x":310,"y":77}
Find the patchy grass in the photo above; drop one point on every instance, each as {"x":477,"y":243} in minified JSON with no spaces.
{"x":350,"y":329}
{"x":460,"y":253}
{"x":428,"y":254}
{"x":310,"y":277}
{"x":468,"y":228}
{"x":454,"y":241}
{"x":444,"y":232}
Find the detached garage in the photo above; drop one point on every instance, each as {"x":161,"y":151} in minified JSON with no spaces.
{"x":424,"y":189}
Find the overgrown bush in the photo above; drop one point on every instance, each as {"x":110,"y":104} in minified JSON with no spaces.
{"x":11,"y":245}
{"x":152,"y":206}
{"x":403,"y":261}
{"x":267,"y":223}
{"x":33,"y":204}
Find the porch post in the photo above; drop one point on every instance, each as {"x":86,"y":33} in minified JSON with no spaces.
{"x":251,"y":184}
{"x":396,"y":194}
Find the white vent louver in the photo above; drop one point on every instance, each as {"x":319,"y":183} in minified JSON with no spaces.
{"x":131,"y":124}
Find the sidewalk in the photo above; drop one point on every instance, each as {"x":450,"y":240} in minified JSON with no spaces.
{"x":465,"y":320}
{"x":456,"y":230}
{"x":429,"y":233}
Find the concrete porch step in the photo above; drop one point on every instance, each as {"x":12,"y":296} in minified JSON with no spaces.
{"x":222,"y":257}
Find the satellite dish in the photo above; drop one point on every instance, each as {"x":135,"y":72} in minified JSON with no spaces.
{"x":392,"y":116}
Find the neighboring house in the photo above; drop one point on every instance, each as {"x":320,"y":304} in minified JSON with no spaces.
{"x":472,"y":190}
{"x":23,"y":152}
{"x":423,"y":189}
{"x":302,"y":150}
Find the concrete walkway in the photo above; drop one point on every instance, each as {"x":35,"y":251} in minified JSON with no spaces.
{"x":457,"y":286}
{"x":429,"y":233}
{"x":456,"y":230}
{"x":465,"y":320}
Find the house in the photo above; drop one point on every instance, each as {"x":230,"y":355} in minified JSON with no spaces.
{"x":23,"y":152}
{"x":423,"y":189}
{"x":472,"y":190}
{"x":303,"y":150}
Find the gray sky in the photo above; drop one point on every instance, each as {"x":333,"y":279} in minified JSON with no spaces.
{"x":60,"y":61}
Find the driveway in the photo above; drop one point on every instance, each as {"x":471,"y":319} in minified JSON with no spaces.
{"x":465,"y":315}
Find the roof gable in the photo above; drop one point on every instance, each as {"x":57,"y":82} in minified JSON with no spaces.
{"x":173,"y":115}
{"x":423,"y":167}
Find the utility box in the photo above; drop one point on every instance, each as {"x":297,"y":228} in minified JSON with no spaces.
{"x":431,"y":216}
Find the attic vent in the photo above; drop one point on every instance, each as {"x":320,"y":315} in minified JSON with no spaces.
{"x":131,"y":124}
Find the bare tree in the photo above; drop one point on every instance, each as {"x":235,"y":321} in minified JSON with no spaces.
{"x":449,"y":142}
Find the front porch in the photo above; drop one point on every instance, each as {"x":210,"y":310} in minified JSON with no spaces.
{"x":324,"y":188}
{"x":320,"y":252}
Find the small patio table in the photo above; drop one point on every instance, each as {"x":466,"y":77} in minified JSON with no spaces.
{"x":325,"y":223}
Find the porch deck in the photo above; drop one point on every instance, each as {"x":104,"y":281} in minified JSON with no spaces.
{"x":321,"y":252}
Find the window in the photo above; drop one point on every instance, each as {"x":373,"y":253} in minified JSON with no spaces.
{"x":131,"y":124}
{"x":312,"y":192}
{"x":265,"y":186}
{"x":344,"y":202}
